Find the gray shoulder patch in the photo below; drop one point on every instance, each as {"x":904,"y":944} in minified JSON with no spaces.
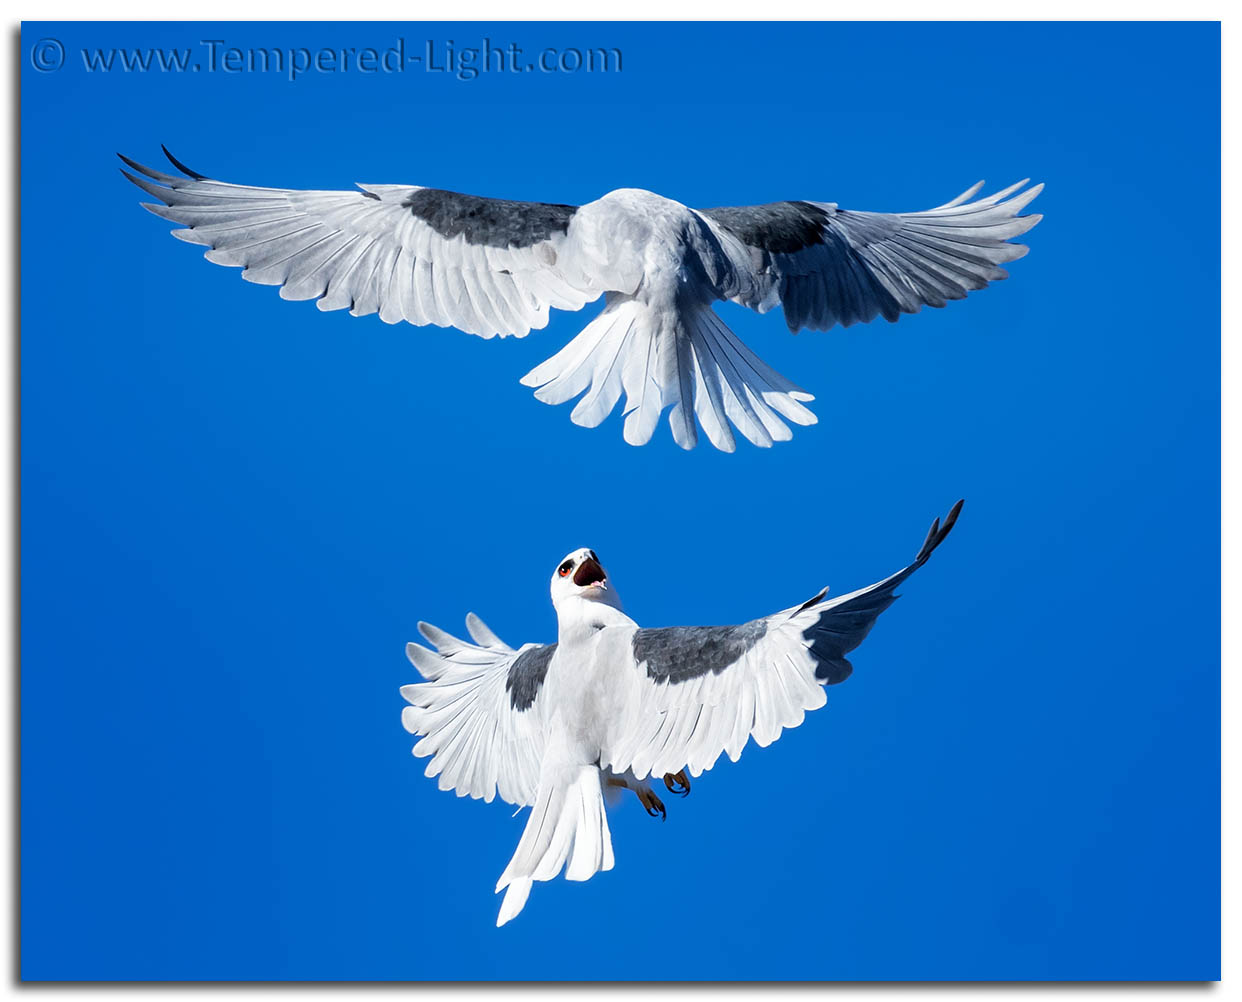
{"x":778,"y":227}
{"x":681,"y":653}
{"x":526,"y":676}
{"x":494,"y":222}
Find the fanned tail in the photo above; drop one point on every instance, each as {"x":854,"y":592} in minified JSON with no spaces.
{"x":566,"y":823}
{"x":682,"y":358}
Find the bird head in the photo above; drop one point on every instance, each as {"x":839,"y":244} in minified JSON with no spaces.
{"x":581,"y":576}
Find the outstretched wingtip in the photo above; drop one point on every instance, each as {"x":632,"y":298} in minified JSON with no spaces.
{"x":965,"y":196}
{"x":481,"y":634}
{"x":813,"y":601}
{"x":159,"y":177}
{"x":134,"y":164}
{"x":938,"y":532}
{"x":951,"y":518}
{"x":182,"y":167}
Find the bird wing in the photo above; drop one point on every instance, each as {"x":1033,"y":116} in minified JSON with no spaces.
{"x":484,"y":265}
{"x":695,"y":692}
{"x":825,"y":265}
{"x":479,"y":712}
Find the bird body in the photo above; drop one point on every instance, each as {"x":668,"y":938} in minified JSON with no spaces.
{"x":612,"y":704}
{"x":493,"y":267}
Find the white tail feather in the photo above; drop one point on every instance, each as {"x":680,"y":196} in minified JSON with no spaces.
{"x":685,"y":359}
{"x":514,"y":900}
{"x":567,"y":823}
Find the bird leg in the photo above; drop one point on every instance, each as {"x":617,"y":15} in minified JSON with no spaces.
{"x":678,"y":782}
{"x":651,"y":803}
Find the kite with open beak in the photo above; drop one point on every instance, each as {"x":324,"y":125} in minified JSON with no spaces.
{"x":589,"y":572}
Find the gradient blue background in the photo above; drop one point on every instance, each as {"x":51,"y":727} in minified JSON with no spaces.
{"x":236,"y":509}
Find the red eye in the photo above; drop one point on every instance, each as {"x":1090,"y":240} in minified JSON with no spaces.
{"x":565,"y":568}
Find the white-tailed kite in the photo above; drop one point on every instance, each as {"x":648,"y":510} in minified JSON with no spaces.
{"x":610,"y":704}
{"x":491,"y":266}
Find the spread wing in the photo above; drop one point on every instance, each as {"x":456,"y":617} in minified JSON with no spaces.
{"x":484,"y":265}
{"x":479,"y":712}
{"x":825,"y":265}
{"x":695,"y":692}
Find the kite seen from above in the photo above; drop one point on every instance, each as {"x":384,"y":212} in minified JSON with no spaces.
{"x":490,"y":266}
{"x":612,"y":705}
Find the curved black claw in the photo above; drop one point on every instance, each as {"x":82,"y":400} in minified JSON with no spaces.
{"x":678,"y":783}
{"x":652,"y":804}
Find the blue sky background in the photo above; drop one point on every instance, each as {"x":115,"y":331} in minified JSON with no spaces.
{"x":236,"y":509}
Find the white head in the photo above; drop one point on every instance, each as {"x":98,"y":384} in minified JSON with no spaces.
{"x":580,"y":577}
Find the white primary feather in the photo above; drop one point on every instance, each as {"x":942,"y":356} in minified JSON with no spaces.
{"x":478,"y":745}
{"x":364,"y":251}
{"x":872,"y":264}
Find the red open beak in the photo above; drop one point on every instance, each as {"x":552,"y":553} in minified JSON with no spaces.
{"x":589,"y":572}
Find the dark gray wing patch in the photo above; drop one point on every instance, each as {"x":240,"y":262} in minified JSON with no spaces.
{"x":842,"y":628}
{"x":778,"y":227}
{"x":681,"y":653}
{"x":526,"y":675}
{"x":494,"y":222}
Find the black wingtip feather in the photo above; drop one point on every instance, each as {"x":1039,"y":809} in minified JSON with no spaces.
{"x":938,"y":533}
{"x":169,"y":180}
{"x":182,"y":167}
{"x":815,"y":600}
{"x":951,"y":519}
{"x":154,"y":190}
